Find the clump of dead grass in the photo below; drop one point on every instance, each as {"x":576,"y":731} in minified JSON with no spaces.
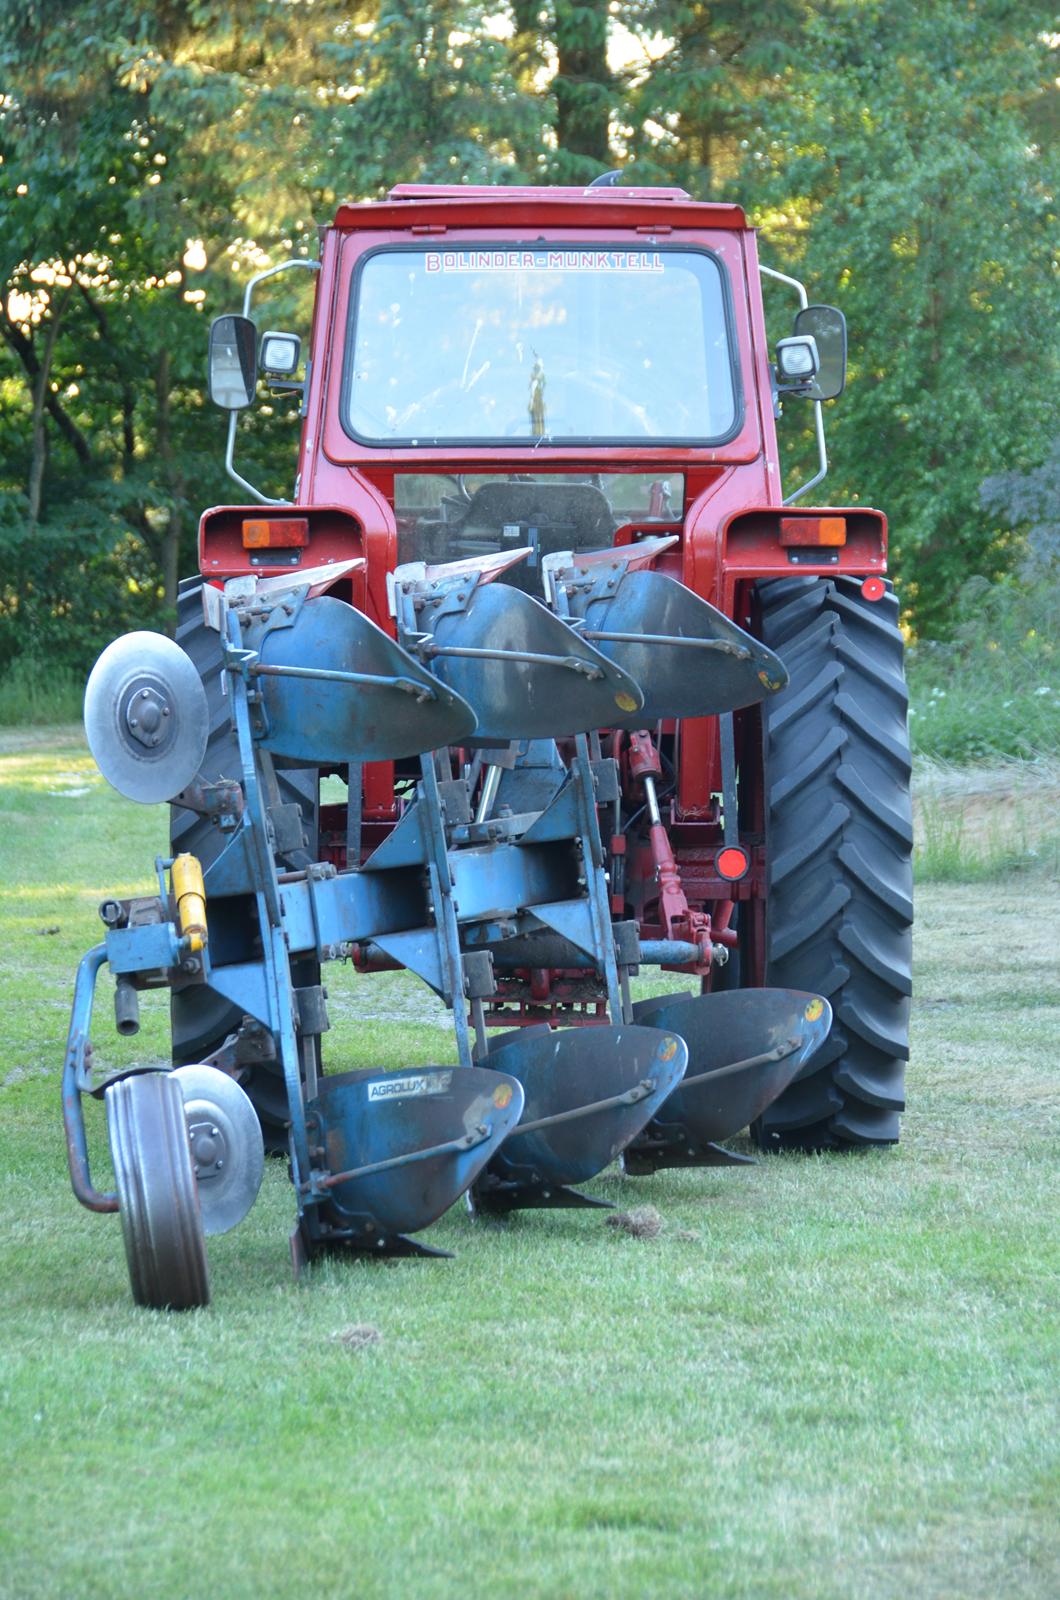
{"x":357,"y":1337}
{"x":974,"y":823}
{"x":643,"y":1222}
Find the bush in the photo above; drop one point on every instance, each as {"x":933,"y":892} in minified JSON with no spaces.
{"x":65,"y":593}
{"x":35,"y":692}
{"x":992,"y":691}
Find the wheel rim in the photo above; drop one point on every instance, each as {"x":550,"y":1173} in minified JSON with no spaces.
{"x":227,"y":1149}
{"x":158,"y":1197}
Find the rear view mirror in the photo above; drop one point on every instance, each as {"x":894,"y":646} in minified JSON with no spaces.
{"x":828,"y":328}
{"x":233,"y":362}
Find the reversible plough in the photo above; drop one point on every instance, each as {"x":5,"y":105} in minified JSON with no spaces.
{"x":495,"y":870}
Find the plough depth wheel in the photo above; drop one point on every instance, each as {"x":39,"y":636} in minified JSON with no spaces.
{"x":158,"y":1196}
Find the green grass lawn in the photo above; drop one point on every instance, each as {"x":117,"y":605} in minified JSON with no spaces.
{"x":824,"y":1377}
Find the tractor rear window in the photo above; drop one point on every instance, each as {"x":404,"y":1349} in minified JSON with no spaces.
{"x":449,"y":517}
{"x":542,"y":345}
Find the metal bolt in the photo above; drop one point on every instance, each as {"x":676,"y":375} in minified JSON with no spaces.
{"x":133,"y":722}
{"x":165,"y":711}
{"x":218,"y":1165}
{"x":143,"y":694}
{"x":214,"y":1132}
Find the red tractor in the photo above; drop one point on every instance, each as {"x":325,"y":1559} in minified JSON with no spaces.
{"x":600,"y":694}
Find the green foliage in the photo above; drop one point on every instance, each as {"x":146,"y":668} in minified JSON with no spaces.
{"x":993,"y":689}
{"x":901,"y":157}
{"x":68,"y":589}
{"x":39,"y":693}
{"x":901,"y":180}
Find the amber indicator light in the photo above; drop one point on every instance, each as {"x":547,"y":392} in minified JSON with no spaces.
{"x":275,"y":533}
{"x":813,"y":530}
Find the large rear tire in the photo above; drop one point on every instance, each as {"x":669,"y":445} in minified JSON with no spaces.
{"x":839,"y":906}
{"x":200,"y":1018}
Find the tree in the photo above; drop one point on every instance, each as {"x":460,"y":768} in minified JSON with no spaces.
{"x":694,"y":99}
{"x":901,"y":157}
{"x":902,"y":182}
{"x":150,"y":154}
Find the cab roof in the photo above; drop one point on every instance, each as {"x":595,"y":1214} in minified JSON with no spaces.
{"x":439,"y":206}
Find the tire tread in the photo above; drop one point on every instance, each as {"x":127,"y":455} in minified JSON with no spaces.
{"x":839,"y":844}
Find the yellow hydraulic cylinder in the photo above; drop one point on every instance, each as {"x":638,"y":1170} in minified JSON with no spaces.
{"x":189,"y":891}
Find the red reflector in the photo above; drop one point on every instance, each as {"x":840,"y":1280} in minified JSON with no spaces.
{"x":732,"y":863}
{"x":275,"y":533}
{"x":874,"y":588}
{"x":813,"y":530}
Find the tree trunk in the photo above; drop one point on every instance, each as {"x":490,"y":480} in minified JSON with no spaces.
{"x":38,"y":449}
{"x":582,"y":85}
{"x":24,"y":349}
{"x":170,"y":543}
{"x":128,"y":429}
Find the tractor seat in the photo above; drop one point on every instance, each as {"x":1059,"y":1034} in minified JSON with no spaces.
{"x":509,"y":516}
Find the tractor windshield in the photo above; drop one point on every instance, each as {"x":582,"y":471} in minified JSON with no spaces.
{"x":544,"y":345}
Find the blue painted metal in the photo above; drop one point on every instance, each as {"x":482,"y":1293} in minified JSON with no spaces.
{"x":143,"y":948}
{"x":560,"y":818}
{"x":526,"y":674}
{"x":402,"y":1146}
{"x":745,"y":1046}
{"x":583,"y":1076}
{"x":667,"y":953}
{"x":375,"y":1156}
{"x":77,"y":1080}
{"x":593,"y":867}
{"x":233,"y":871}
{"x":333,"y":687}
{"x":443,"y":907}
{"x":320,"y":913}
{"x":534,"y":780}
{"x":276,"y":969}
{"x":405,"y":846}
{"x":246,"y":985}
{"x":689,"y":659}
{"x":417,"y":950}
{"x":573,"y":921}
{"x":491,"y":880}
{"x":595,"y":879}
